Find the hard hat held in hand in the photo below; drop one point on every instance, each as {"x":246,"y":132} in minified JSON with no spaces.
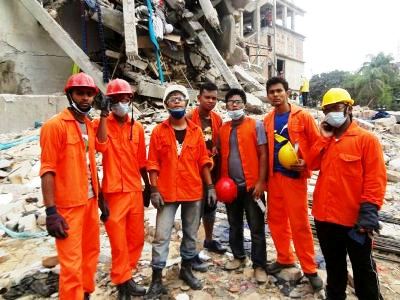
{"x":336,"y":95}
{"x":287,"y":155}
{"x":226,"y":190}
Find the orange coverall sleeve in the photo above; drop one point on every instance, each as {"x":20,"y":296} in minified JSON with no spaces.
{"x":204,"y":159}
{"x":100,"y":147}
{"x":312,"y":133}
{"x":316,"y":152}
{"x":153,"y":163}
{"x":374,"y":183}
{"x":51,"y":141}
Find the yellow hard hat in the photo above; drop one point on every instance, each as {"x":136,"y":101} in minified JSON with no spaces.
{"x":287,"y":155}
{"x":336,"y":95}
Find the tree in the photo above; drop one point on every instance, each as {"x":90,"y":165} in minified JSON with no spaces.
{"x":320,"y":83}
{"x":376,"y":82}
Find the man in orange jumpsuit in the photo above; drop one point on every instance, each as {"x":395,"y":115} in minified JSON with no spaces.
{"x":177,"y":161}
{"x":70,"y":189}
{"x":210,"y":122}
{"x":121,"y":141}
{"x":243,"y":151}
{"x":348,"y":194}
{"x":287,"y":215}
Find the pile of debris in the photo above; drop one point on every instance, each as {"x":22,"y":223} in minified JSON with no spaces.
{"x":155,"y":41}
{"x":28,"y":265}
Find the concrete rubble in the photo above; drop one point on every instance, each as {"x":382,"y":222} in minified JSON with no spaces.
{"x":29,"y":265}
{"x":195,"y":42}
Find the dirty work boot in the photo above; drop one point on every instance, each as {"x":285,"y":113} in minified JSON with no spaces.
{"x":187,"y":276}
{"x":134,"y":289}
{"x":260,"y":275}
{"x":276,"y":267}
{"x":156,"y":289}
{"x":199,"y":265}
{"x":315,"y":281}
{"x":122,"y":292}
{"x":235,"y":264}
{"x":86,"y":296}
{"x":214,"y":246}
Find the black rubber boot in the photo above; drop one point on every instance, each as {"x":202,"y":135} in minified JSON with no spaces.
{"x":187,"y":276}
{"x":134,"y":289}
{"x":156,"y":289}
{"x":123,"y":292}
{"x":86,"y":296}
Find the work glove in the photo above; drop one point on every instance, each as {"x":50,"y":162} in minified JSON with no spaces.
{"x":368,"y":220}
{"x":367,"y":223}
{"x":105,"y":106}
{"x":146,"y":195}
{"x":211,"y":196}
{"x":56,"y":225}
{"x":156,"y":198}
{"x":105,"y":210}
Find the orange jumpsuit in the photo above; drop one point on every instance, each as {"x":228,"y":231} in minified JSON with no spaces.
{"x":122,"y":188}
{"x":353,"y":165}
{"x":64,"y":154}
{"x":287,"y":215}
{"x":179,"y":177}
{"x":216,"y":123}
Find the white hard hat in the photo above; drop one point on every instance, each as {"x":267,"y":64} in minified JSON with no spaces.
{"x":175,"y":88}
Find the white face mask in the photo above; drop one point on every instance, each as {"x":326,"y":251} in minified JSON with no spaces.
{"x":335,"y":118}
{"x":236,"y":114}
{"x":120,"y":109}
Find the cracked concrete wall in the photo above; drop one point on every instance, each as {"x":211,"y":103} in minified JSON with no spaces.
{"x":30,"y":62}
{"x":20,"y":112}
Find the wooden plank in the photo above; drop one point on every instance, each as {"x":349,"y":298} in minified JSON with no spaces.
{"x":144,"y":42}
{"x":64,"y":41}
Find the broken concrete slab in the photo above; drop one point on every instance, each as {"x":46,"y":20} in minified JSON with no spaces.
{"x":65,"y":42}
{"x":242,"y":74}
{"x":27,"y":224}
{"x":5,"y":163}
{"x":20,"y":173}
{"x":393,"y":176}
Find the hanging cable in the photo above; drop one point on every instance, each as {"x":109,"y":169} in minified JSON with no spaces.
{"x":100,"y":28}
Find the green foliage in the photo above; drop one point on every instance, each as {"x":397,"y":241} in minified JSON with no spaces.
{"x":377,"y":83}
{"x":320,"y":83}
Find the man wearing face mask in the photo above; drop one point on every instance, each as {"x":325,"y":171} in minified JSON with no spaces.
{"x":121,"y":140}
{"x":347,"y":196}
{"x":70,"y":188}
{"x":242,"y":145}
{"x":289,"y":127}
{"x":177,"y":161}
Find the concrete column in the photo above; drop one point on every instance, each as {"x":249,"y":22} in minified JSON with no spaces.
{"x":240,"y":22}
{"x":284,"y":16}
{"x":293,"y":21}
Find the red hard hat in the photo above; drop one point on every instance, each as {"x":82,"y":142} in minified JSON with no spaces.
{"x":226,"y":190}
{"x":80,"y":80}
{"x":118,"y":86}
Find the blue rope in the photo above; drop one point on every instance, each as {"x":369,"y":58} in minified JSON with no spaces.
{"x":153,"y":39}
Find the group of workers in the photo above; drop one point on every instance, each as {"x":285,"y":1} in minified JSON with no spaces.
{"x":188,"y":153}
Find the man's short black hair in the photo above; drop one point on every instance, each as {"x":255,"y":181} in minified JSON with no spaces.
{"x":209,"y":86}
{"x":276,"y":80}
{"x":233,"y":92}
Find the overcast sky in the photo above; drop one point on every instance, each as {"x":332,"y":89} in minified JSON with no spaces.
{"x":341,"y":33}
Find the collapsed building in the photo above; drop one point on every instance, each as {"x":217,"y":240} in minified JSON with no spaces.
{"x":233,"y":43}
